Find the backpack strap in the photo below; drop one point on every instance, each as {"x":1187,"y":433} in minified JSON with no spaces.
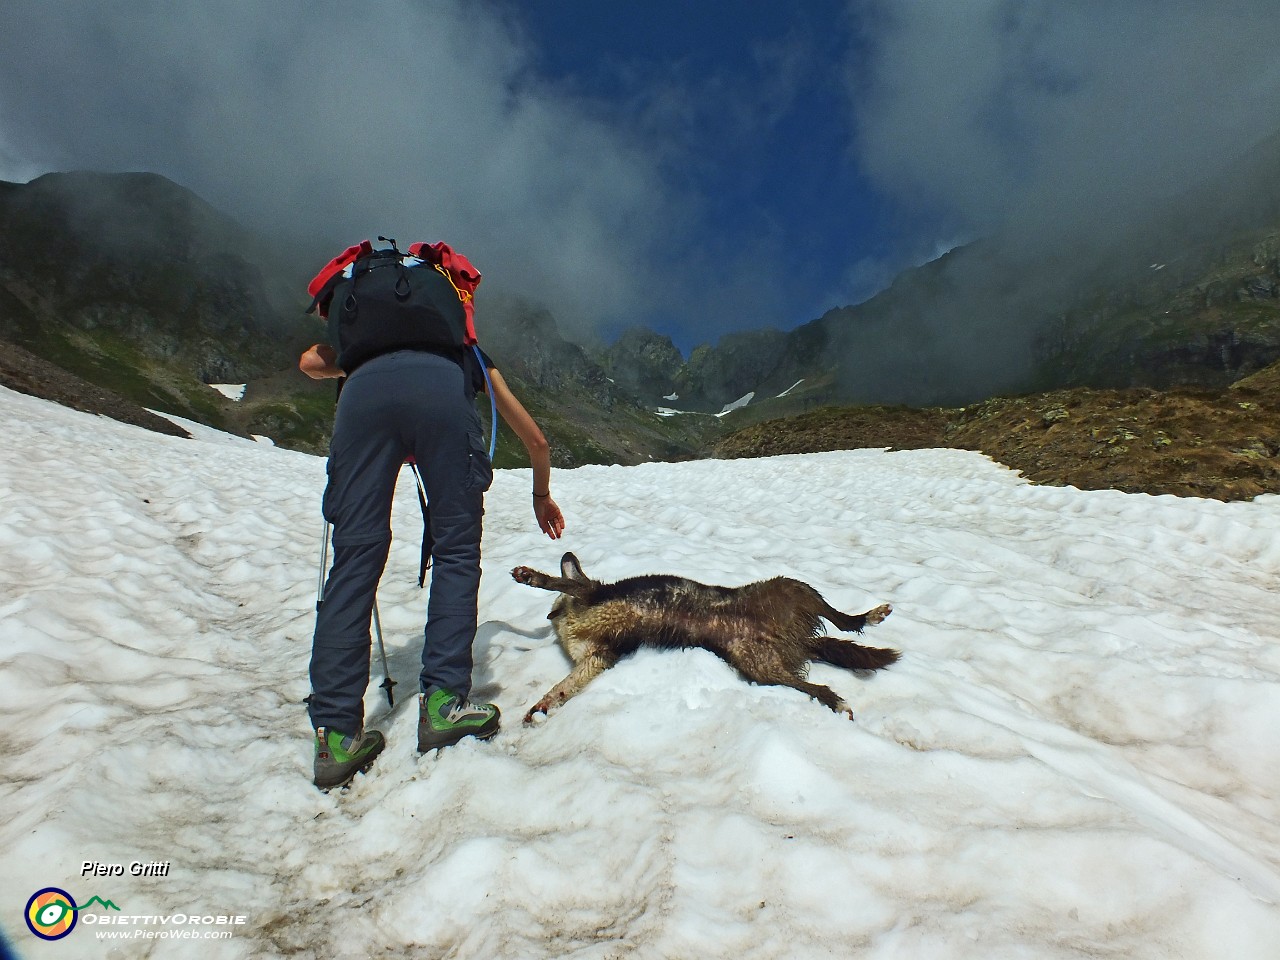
{"x":322,"y":284}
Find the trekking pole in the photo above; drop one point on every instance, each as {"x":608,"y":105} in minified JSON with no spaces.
{"x":413,"y":468}
{"x":387,"y":682}
{"x":324,"y":563}
{"x":324,"y":539}
{"x":428,"y":544}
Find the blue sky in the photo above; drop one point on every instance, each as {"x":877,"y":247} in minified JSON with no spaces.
{"x":766,"y":137}
{"x":701,"y":167}
{"x":770,"y":142}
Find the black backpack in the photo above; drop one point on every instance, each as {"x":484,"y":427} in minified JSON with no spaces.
{"x":386,"y":300}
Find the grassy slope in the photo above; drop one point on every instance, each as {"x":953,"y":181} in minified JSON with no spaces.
{"x":1220,"y":444}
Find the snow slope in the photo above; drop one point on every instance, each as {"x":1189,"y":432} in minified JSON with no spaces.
{"x":1076,"y":756}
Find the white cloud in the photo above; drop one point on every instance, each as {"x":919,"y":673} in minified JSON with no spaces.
{"x":421,"y":120}
{"x":1046,"y":111}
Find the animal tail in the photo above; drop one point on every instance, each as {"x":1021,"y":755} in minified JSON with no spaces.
{"x":853,"y":656}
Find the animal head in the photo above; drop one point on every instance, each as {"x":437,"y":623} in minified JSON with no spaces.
{"x":567,"y":603}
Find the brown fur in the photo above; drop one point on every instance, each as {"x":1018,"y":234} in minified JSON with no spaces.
{"x":769,"y":631}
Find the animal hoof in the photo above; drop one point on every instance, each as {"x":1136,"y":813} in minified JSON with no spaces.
{"x":879,"y":613}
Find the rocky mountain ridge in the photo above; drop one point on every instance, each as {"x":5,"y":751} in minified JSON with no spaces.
{"x":1184,"y":291}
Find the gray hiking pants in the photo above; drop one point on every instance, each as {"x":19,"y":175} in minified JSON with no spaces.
{"x":396,"y":405}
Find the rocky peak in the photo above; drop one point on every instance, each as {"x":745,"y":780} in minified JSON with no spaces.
{"x":644,"y":364}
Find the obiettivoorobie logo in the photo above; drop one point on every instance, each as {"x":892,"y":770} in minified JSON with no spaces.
{"x":52,"y":913}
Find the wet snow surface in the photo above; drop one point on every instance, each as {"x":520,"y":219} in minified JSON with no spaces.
{"x":1076,"y":756}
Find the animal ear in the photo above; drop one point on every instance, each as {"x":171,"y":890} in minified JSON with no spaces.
{"x":570,"y":569}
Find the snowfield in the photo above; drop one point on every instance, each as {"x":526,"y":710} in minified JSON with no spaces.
{"x":1076,"y":756}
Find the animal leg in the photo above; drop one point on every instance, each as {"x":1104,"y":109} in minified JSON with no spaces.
{"x":824,"y":695}
{"x":761,"y":664}
{"x":583,"y":672}
{"x":854,"y":622}
{"x":544,"y":581}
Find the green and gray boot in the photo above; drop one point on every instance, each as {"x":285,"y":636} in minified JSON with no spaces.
{"x":444,"y":718}
{"x":339,"y":757}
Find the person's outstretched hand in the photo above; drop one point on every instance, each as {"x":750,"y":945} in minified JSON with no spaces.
{"x":550,"y":519}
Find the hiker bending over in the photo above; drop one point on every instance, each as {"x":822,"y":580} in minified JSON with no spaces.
{"x":401,"y":401}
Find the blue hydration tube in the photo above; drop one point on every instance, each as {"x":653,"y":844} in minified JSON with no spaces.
{"x":493,"y":404}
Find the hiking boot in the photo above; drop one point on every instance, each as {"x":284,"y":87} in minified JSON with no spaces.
{"x":444,"y":718}
{"x":339,"y":757}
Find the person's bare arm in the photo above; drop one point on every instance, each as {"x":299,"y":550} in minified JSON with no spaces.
{"x":550,"y":519}
{"x":320,"y":362}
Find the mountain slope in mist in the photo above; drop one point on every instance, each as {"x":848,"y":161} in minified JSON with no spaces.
{"x":1183,"y":290}
{"x":139,"y":286}
{"x":136,"y":285}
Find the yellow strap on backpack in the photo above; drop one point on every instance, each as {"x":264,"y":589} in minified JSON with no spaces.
{"x":463,"y":295}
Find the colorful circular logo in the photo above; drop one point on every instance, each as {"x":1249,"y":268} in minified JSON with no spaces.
{"x":51,"y":913}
